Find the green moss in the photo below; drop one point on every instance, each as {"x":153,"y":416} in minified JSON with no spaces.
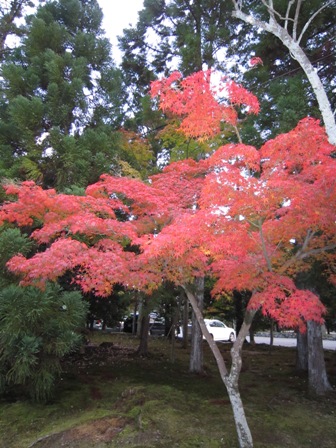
{"x":151,"y":402}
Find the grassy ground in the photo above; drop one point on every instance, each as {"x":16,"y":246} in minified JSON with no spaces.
{"x":111,"y":398}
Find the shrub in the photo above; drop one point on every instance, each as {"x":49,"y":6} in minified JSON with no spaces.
{"x":37,"y":329}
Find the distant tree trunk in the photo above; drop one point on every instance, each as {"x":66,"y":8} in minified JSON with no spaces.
{"x":251,"y":333}
{"x":301,"y":351}
{"x":143,"y":345}
{"x":138,"y":323}
{"x":173,"y":332}
{"x":196,"y":352}
{"x":185,"y":322}
{"x":272,"y":333}
{"x":90,"y":323}
{"x":317,"y":375}
{"x":239,"y":309}
{"x":134,"y":322}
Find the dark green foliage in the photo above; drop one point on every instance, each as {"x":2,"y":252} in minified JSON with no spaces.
{"x":60,"y":98}
{"x":12,"y":242}
{"x":37,"y":329}
{"x":110,"y":310}
{"x":192,"y":33}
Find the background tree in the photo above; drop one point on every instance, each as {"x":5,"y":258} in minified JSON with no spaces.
{"x":10,"y":11}
{"x":228,"y":44}
{"x":289,"y":22}
{"x":62,"y":99}
{"x":176,"y":35}
{"x":12,"y":242}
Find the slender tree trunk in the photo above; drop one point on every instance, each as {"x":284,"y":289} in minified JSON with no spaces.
{"x":134,"y":321}
{"x":251,"y":333}
{"x":140,"y":308}
{"x":173,"y":332}
{"x":143,"y":345}
{"x":239,"y":312}
{"x":196,"y":349}
{"x":301,"y":351}
{"x":242,"y":428}
{"x":230,"y":380}
{"x":317,"y":375}
{"x":185,"y":321}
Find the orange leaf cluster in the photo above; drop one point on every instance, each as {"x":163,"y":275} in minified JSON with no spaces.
{"x":200,"y":104}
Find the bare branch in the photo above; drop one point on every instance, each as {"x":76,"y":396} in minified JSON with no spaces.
{"x":264,"y":249}
{"x":304,"y":253}
{"x":296,"y":18}
{"x":287,"y":18}
{"x":273,"y":12}
{"x":304,"y":29}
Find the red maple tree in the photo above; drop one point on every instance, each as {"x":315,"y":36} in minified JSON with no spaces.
{"x":203,"y":105}
{"x":251,"y":219}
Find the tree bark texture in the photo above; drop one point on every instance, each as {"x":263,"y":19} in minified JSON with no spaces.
{"x":143,"y":345}
{"x":185,"y":321}
{"x":301,"y":352}
{"x":196,"y":349}
{"x":317,"y":375}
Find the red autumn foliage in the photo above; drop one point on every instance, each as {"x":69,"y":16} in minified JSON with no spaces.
{"x":256,"y":61}
{"x":250,"y":219}
{"x":202,"y":106}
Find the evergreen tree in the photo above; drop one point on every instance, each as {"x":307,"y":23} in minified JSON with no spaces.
{"x":170,"y":35}
{"x":12,"y":242}
{"x":10,"y":11}
{"x":61,"y":98}
{"x":37,"y":329}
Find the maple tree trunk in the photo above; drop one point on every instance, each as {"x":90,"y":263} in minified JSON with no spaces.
{"x":230,"y":380}
{"x":317,"y":375}
{"x":231,"y":383}
{"x":196,"y":349}
{"x":301,"y":351}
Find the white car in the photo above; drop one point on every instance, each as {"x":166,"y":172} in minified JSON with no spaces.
{"x":219,"y":331}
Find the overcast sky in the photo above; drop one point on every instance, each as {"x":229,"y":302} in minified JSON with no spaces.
{"x":119,"y":14}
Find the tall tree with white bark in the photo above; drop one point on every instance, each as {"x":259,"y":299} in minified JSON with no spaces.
{"x":285,"y":26}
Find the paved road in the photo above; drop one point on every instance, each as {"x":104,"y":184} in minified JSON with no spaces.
{"x":290,"y":342}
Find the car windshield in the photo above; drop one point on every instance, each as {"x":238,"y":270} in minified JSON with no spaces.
{"x":216,"y":323}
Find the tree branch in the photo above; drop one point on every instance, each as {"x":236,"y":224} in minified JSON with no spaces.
{"x":296,"y":18}
{"x":264,"y":249}
{"x":290,"y":3}
{"x":304,"y":29}
{"x":304,"y":253}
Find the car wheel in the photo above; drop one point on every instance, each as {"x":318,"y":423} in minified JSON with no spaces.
{"x":232,"y":337}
